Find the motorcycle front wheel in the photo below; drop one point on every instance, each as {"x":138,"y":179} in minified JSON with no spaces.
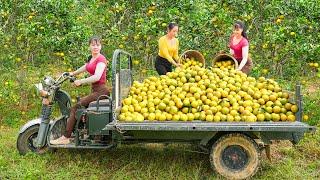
{"x":26,"y":141}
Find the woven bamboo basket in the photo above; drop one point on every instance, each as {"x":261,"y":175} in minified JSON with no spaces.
{"x":225,"y":57}
{"x":193,"y":54}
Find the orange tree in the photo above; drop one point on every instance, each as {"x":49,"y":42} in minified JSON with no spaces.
{"x":283,"y":35}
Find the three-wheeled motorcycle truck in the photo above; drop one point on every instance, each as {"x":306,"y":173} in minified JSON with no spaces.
{"x":233,"y":147}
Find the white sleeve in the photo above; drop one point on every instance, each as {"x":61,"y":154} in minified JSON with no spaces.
{"x":245,"y":52}
{"x":97,"y":74}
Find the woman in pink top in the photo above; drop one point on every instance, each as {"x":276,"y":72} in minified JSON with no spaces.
{"x":97,"y":68}
{"x":239,"y":47}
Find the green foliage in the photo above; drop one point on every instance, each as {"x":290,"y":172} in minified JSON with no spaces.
{"x":283,"y":35}
{"x":19,"y":100}
{"x":312,"y":101}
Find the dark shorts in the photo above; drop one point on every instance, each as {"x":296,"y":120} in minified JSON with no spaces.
{"x":162,"y":65}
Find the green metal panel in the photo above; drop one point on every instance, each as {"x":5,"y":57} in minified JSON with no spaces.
{"x":295,"y":137}
{"x":79,"y":112}
{"x":64,"y":101}
{"x":74,"y":146}
{"x":205,"y":131}
{"x":97,"y":120}
{"x":167,"y":135}
{"x":204,"y":136}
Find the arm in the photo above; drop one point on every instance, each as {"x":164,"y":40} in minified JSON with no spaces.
{"x":245,"y":52}
{"x":229,"y":45}
{"x":231,"y":52}
{"x":78,"y":71}
{"x":164,"y":51}
{"x":97,"y":75}
{"x":176,"y":55}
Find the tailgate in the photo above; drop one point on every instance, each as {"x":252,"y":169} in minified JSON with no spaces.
{"x":210,"y":126}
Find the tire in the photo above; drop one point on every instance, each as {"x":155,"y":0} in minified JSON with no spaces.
{"x":235,"y":156}
{"x":26,"y":140}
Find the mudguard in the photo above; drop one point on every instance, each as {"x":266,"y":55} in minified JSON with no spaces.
{"x":31,"y":123}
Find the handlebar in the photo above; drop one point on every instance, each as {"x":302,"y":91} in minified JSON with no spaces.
{"x":65,"y":74}
{"x":63,"y":77}
{"x":72,"y":79}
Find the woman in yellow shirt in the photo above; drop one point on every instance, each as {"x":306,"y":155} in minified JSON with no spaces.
{"x":168,"y":50}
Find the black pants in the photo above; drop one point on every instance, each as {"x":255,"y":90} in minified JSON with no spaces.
{"x":163,"y":66}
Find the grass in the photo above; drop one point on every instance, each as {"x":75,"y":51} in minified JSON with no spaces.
{"x":150,"y":161}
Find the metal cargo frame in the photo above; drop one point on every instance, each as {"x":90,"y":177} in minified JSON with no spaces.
{"x":122,"y":80}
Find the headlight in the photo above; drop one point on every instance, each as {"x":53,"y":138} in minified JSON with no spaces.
{"x":43,"y":93}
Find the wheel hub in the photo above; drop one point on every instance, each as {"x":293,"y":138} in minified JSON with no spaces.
{"x":235,"y":157}
{"x":32,"y":140}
